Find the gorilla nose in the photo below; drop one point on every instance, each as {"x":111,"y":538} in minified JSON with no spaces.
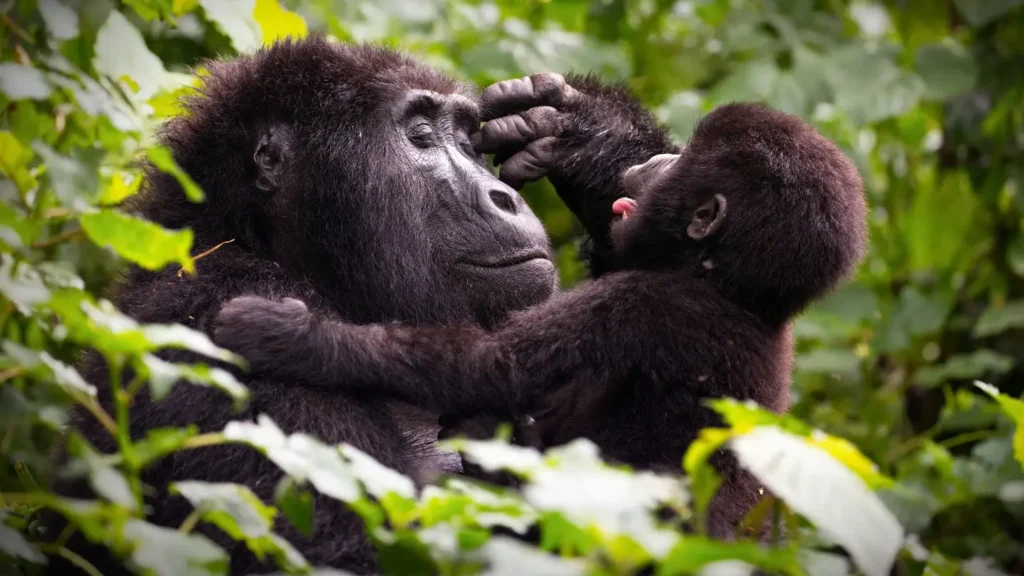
{"x":504,"y":200}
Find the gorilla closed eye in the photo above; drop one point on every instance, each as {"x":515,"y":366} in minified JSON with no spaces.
{"x":421,"y":134}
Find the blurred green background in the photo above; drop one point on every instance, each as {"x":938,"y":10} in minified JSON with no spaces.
{"x":927,"y":96}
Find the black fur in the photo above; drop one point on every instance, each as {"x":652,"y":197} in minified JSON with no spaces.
{"x":343,"y":176}
{"x":758,"y":216}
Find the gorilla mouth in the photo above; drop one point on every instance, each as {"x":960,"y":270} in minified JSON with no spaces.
{"x":509,"y":260}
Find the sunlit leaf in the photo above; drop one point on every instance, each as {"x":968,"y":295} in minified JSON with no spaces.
{"x":23,"y":82}
{"x":163,"y":375}
{"x":299,"y":455}
{"x":160,"y":442}
{"x":61,"y":21}
{"x":168,"y":552}
{"x":161,"y":157}
{"x":122,"y":52}
{"x":277,"y":22}
{"x":74,"y":182}
{"x":825,"y":492}
{"x":692,"y":553}
{"x":144,"y":243}
{"x":296,"y":504}
{"x":1015,"y":409}
{"x":104,"y":479}
{"x":21,"y":284}
{"x":236,"y":20}
{"x":119,"y":189}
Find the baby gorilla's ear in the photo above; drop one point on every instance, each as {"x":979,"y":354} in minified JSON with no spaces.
{"x":707,"y":219}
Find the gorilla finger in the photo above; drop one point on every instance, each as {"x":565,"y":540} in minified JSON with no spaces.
{"x":533,"y":163}
{"x":510,"y":134}
{"x":511,"y":96}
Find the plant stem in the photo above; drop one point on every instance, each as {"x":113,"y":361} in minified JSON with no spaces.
{"x":100,"y":414}
{"x":75,"y":559}
{"x":59,"y":238}
{"x":203,"y":440}
{"x":191,"y":520}
{"x":124,"y":436}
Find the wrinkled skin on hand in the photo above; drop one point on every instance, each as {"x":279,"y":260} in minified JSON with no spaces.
{"x":580,"y":134}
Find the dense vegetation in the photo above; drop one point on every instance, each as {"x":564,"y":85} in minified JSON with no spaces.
{"x":926,"y":95}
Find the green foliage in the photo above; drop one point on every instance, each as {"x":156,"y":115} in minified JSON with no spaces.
{"x":888,"y":453}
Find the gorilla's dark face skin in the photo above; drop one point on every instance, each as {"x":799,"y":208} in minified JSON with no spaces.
{"x":469,"y":237}
{"x":483,"y":237}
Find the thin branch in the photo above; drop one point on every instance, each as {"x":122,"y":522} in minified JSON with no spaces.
{"x":59,"y":238}
{"x":7,"y":21}
{"x":204,"y":440}
{"x":101,"y":415}
{"x":181,"y":271}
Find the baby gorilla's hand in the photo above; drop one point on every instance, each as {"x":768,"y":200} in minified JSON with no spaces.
{"x":264,"y":332}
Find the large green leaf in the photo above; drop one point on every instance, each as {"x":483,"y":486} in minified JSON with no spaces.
{"x":825,"y":492}
{"x":23,"y":82}
{"x":14,"y":544}
{"x":947,"y":69}
{"x":144,"y":243}
{"x":981,"y":12}
{"x":168,"y":552}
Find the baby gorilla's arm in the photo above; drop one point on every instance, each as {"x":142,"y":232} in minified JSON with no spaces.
{"x":451,"y":369}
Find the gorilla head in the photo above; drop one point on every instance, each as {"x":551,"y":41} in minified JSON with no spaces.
{"x":358,"y":174}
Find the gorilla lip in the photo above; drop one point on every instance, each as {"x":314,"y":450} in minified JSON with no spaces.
{"x":510,"y":260}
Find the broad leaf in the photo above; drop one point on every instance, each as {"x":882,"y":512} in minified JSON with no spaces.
{"x":14,"y":544}
{"x":277,"y":22}
{"x":144,"y":243}
{"x":61,"y":21}
{"x":947,"y":69}
{"x":997,"y":319}
{"x":121,"y":53}
{"x":23,"y":82}
{"x":163,"y":375}
{"x":825,"y":492}
{"x":161,"y":157}
{"x":168,"y":552}
{"x":235,"y":19}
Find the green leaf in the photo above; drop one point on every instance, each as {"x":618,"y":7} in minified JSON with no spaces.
{"x":947,"y":69}
{"x":825,"y":492}
{"x":1014,"y":408}
{"x":105,"y":480}
{"x":981,"y":12}
{"x":144,"y":243}
{"x":998,"y":319}
{"x":120,"y":189}
{"x":151,"y":9}
{"x":160,"y":442}
{"x":21,"y":284}
{"x":379,"y":480}
{"x":235,"y":18}
{"x":277,"y":22}
{"x":692,"y":553}
{"x":23,"y":82}
{"x":163,"y":375}
{"x":166,"y":552}
{"x":61,"y":21}
{"x":185,"y":338}
{"x":73,"y":181}
{"x":296,"y":504}
{"x":121,"y":52}
{"x":161,"y":158}
{"x":14,"y":544}
{"x":506,"y":556}
{"x":300,"y":456}
{"x":231,"y":507}
{"x":964,"y":367}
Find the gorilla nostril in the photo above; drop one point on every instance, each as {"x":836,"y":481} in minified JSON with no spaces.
{"x":504,"y":201}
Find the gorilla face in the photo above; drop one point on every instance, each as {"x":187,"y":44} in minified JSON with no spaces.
{"x":484,"y":241}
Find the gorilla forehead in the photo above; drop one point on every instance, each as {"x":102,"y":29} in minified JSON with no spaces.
{"x":323,"y":79}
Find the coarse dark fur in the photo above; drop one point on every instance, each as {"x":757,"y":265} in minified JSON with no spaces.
{"x":343,"y":176}
{"x":757,"y":217}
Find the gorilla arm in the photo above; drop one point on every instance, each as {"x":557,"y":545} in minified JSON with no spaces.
{"x":452,"y":369}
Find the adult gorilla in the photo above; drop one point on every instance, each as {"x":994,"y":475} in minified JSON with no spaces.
{"x":346,"y":177}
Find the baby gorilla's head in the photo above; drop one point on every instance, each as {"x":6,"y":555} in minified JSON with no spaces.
{"x":758,"y":203}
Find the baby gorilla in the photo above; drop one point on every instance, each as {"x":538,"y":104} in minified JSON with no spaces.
{"x":718,"y":248}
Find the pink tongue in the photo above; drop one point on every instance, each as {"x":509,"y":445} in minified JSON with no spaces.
{"x":624,"y":206}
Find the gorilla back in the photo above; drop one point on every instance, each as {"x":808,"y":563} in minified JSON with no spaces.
{"x":345,"y":177}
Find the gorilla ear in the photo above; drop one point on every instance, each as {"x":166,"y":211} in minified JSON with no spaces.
{"x":272,"y":151}
{"x":707,"y":219}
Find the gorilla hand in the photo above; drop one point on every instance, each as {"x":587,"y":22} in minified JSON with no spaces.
{"x":264,"y":332}
{"x":579,"y":133}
